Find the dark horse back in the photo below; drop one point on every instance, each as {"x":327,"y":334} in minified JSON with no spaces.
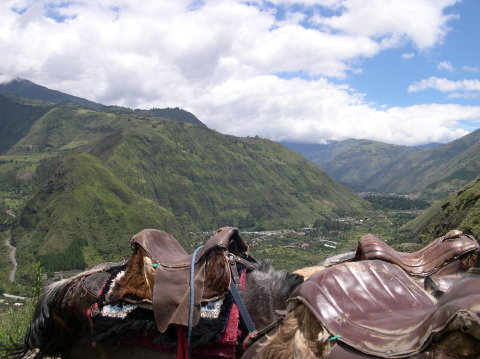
{"x":60,"y":316}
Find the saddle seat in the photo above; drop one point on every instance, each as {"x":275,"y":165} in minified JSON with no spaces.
{"x":377,"y":310}
{"x":424,"y":262}
{"x":171,"y":292}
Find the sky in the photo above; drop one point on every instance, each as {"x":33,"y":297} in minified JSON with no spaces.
{"x":405,"y":72}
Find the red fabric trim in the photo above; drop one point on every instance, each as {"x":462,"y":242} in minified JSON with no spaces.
{"x":182,"y":347}
{"x":243,"y":279}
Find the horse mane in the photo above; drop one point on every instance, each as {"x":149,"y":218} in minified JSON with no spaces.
{"x":298,"y":336}
{"x":272,"y":288}
{"x":58,"y":319}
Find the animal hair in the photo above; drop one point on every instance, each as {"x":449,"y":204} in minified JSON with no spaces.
{"x":217,"y":273}
{"x":58,"y":319}
{"x":136,"y":283}
{"x":270,"y":287}
{"x":456,"y":345}
{"x":299,"y":335}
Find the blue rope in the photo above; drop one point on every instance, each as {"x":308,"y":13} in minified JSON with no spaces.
{"x":192,"y":300}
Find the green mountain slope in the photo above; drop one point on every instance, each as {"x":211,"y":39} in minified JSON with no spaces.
{"x":352,"y":162}
{"x":205,"y":178}
{"x":17,"y":115}
{"x":174,"y":114}
{"x":27,"y":89}
{"x":210,"y":179}
{"x":82,"y":215}
{"x":460,"y":210}
{"x":81,"y":181}
{"x":24,"y":88}
{"x":68,"y":127}
{"x":435,"y":171}
{"x":120,"y":172}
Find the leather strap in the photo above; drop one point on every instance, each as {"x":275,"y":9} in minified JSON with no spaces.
{"x":192,"y":300}
{"x":247,"y":320}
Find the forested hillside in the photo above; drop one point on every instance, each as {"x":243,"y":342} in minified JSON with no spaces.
{"x":81,"y":181}
{"x":17,"y":115}
{"x":460,"y":210}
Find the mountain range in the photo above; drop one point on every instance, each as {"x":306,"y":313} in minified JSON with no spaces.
{"x":82,"y":179}
{"x":431,"y":172}
{"x":352,"y":162}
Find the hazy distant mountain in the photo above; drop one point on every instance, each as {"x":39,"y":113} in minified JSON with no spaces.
{"x":432,"y":170}
{"x":435,"y":171}
{"x":352,"y":162}
{"x":428,"y":145}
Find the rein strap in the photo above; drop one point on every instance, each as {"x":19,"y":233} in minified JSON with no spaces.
{"x":247,"y":320}
{"x":192,"y":301}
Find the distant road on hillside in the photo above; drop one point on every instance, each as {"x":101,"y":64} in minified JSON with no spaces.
{"x":12,"y":259}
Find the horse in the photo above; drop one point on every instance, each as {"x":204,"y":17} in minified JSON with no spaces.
{"x":64,"y":319}
{"x":307,"y":331}
{"x":373,"y":309}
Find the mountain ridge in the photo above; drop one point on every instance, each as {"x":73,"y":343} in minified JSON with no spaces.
{"x":352,"y":162}
{"x":78,"y":169}
{"x":433,"y":171}
{"x":28,"y":89}
{"x":430,"y":172}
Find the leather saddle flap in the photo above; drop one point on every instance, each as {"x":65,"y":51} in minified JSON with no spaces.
{"x":426,"y":261}
{"x":171,"y":293}
{"x":373,"y":305}
{"x":459,"y":309}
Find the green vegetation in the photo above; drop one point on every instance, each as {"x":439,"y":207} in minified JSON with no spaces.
{"x":174,"y":114}
{"x":395,"y":202}
{"x":460,"y":210}
{"x":82,"y":215}
{"x":305,"y":247}
{"x":209,"y":180}
{"x":14,"y":322}
{"x":16,"y":118}
{"x":15,"y":319}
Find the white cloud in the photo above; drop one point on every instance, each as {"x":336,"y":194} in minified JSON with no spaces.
{"x":408,"y":55}
{"x":464,"y":95}
{"x":471,"y":68}
{"x":445,"y":85}
{"x":313,"y":111}
{"x":422,"y":22}
{"x":227,"y":60}
{"x":445,"y":65}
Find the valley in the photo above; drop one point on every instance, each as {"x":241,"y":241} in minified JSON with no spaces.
{"x":78,"y":179}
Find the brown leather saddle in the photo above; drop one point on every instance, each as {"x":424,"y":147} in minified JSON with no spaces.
{"x":444,"y":260}
{"x":212,"y":268}
{"x":374,"y":309}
